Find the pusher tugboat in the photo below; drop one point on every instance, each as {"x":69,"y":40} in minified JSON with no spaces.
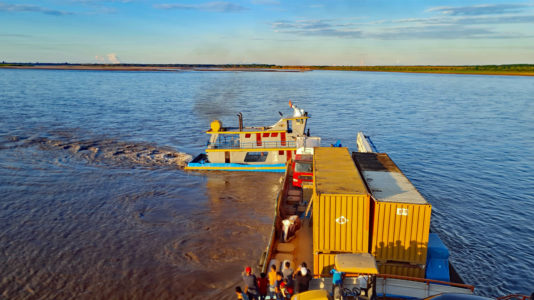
{"x":265,"y":149}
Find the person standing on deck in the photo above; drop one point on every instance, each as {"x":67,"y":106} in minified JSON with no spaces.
{"x":302,"y":280}
{"x":278,"y":285}
{"x":287,"y":271}
{"x":337,"y":279}
{"x":286,"y":290}
{"x":272,"y":281}
{"x":251,"y":284}
{"x":263,"y":285}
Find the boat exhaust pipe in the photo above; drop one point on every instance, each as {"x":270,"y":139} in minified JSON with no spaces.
{"x":240,"y":116}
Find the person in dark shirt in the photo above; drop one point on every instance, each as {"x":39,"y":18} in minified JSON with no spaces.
{"x":251,"y":284}
{"x":302,"y":280}
{"x":263,"y":284}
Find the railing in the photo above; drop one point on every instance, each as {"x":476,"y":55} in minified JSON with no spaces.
{"x":416,"y":279}
{"x":235,"y":144}
{"x":266,"y":256}
{"x":428,"y":281}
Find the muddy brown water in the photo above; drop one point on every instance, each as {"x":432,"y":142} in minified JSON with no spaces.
{"x":158,"y":234}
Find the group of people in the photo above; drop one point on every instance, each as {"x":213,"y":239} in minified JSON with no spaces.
{"x":278,"y":285}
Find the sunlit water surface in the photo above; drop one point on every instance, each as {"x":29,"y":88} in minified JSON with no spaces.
{"x":94,"y":203}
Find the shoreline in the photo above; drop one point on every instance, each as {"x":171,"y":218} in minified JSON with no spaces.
{"x":134,"y":68}
{"x":506,"y":70}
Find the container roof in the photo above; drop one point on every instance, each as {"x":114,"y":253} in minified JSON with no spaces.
{"x":335,"y":172}
{"x":385,"y":179}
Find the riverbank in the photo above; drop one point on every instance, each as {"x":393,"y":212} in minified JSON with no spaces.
{"x":513,"y":70}
{"x":153,"y":68}
{"x":516,"y":70}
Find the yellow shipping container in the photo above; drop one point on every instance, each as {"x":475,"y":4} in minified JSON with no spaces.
{"x":400,"y":232}
{"x":341,"y":203}
{"x":323,"y":263}
{"x":400,"y":214}
{"x":402,"y":270}
{"x":341,"y":223}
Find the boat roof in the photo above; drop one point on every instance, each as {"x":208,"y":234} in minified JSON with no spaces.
{"x":386,"y":180}
{"x":335,"y":172}
{"x":360,"y":263}
{"x":277,"y":127}
{"x":235,"y":130}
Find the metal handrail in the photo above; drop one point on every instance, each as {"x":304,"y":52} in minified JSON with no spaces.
{"x":279,"y":198}
{"x":252,"y":145}
{"x":427,"y":281}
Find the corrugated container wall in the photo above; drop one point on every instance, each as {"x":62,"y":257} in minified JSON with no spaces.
{"x":341,"y":223}
{"x":400,"y":215}
{"x":401,"y":270}
{"x":400,"y":232}
{"x":323,"y":263}
{"x":341,"y":203}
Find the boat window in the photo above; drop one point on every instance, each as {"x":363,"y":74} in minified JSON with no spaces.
{"x":274,"y":134}
{"x":280,"y":152}
{"x":289,"y":130}
{"x":228,"y":140}
{"x":256,"y":156}
{"x":266,"y":134}
{"x":247,"y":135}
{"x":301,"y":167}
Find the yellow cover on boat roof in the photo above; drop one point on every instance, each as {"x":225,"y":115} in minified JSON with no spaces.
{"x":360,"y":263}
{"x":312,"y":295}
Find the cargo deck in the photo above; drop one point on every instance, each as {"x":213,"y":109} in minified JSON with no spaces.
{"x":337,"y":215}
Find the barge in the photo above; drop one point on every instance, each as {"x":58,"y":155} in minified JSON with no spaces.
{"x":363,"y":217}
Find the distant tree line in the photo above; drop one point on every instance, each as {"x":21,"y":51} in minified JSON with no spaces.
{"x":144,"y":65}
{"x":472,"y":69}
{"x":528,"y":68}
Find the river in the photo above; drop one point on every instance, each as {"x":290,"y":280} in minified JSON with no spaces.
{"x":94,"y":203}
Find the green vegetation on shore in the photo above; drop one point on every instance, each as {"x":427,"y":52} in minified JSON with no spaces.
{"x":510,"y":69}
{"x":476,"y":69}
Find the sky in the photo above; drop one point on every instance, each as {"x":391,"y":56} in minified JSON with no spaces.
{"x":299,"y":32}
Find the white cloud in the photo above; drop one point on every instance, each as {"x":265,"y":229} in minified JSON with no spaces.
{"x":218,"y":6}
{"x":112,"y":58}
{"x":483,"y":9}
{"x":265,"y":2}
{"x":101,"y":1}
{"x":466,"y":22}
{"x":32,"y":8}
